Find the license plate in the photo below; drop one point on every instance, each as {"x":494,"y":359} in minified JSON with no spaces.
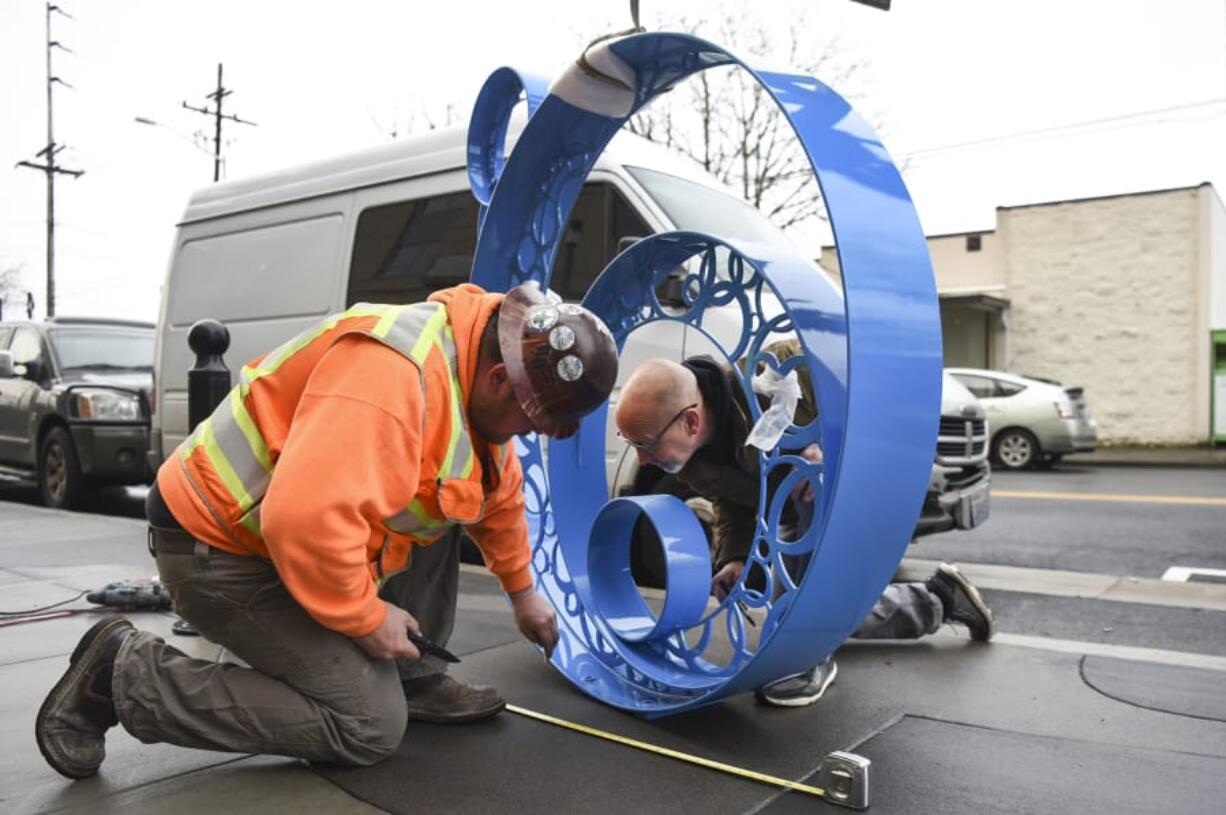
{"x":973,"y":507}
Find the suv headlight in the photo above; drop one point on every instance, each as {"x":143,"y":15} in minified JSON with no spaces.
{"x":106,"y":406}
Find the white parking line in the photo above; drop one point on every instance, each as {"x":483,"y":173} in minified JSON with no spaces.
{"x":1181,"y":574}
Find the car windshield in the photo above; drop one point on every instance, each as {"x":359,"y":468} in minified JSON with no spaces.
{"x":704,"y":209}
{"x":109,"y":348}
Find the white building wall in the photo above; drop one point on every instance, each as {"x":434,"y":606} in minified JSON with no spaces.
{"x":1104,"y":295}
{"x":1215,"y":221}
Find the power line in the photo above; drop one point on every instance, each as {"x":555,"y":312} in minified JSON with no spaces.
{"x":1058,"y":128}
{"x":218,"y":95}
{"x":50,"y":152}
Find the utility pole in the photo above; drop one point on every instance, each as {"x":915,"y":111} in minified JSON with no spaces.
{"x":217,"y":96}
{"x":50,"y":168}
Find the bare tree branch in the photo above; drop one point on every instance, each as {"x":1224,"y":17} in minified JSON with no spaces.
{"x":726,"y":122}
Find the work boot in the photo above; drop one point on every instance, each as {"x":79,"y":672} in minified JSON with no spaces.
{"x":962,"y":602}
{"x":72,"y":723}
{"x":800,"y":689}
{"x":442,"y":700}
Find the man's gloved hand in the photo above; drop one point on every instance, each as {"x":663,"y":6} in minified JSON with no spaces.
{"x":535,"y":619}
{"x":391,"y":639}
{"x":726,"y":578}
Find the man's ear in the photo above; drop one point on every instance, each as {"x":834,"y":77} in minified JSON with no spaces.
{"x":498,"y":379}
{"x":692,"y":418}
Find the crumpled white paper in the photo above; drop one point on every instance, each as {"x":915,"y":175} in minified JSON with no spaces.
{"x":784,"y":393}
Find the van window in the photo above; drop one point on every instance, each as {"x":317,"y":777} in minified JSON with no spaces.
{"x":690,"y":205}
{"x":600,"y":218}
{"x":404,"y":251}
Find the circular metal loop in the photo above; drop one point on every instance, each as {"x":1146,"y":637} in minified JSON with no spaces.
{"x":687,"y":567}
{"x":877,"y":429}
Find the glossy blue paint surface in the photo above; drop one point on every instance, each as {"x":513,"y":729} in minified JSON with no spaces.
{"x":873,"y":355}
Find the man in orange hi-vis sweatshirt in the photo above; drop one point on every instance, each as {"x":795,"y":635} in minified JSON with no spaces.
{"x":284,"y":524}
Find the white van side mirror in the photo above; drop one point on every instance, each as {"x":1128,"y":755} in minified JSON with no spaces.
{"x":6,"y":364}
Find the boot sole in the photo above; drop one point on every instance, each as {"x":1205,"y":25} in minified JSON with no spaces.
{"x":457,"y":718}
{"x":80,"y":657}
{"x":956,"y":575}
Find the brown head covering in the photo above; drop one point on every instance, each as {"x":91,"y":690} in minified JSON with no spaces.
{"x":560,"y":357}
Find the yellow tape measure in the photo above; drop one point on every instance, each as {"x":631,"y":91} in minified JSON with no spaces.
{"x":761,"y":778}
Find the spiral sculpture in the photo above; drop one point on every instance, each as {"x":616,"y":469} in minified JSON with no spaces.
{"x":872,"y":352}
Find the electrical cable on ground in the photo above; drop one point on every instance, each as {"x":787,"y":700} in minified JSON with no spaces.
{"x":41,"y":609}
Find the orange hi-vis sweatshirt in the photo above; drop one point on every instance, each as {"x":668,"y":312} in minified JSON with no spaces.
{"x":354,"y":433}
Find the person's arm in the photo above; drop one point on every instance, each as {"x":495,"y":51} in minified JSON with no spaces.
{"x":732,"y":536}
{"x":502,"y":537}
{"x":351,"y":458}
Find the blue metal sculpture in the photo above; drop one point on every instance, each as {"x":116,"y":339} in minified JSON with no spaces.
{"x":873,"y":354}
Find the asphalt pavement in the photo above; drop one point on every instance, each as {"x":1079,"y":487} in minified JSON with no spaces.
{"x":1102,"y":692}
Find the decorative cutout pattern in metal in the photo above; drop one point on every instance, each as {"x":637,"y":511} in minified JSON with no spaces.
{"x":872,"y":352}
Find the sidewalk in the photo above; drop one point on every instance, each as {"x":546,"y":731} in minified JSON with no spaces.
{"x":950,"y":725}
{"x":1153,"y":457}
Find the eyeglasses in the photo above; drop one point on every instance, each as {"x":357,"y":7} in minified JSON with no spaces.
{"x":648,"y":446}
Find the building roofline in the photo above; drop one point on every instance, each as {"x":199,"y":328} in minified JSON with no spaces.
{"x":1108,"y":197}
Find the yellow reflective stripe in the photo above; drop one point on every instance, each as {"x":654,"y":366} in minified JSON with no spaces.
{"x":193,"y":441}
{"x":252,"y":521}
{"x":252,"y":433}
{"x":222,"y":466}
{"x":274,"y":359}
{"x":430,"y":335}
{"x":413,"y":518}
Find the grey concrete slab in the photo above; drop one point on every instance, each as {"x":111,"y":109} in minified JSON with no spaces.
{"x":36,"y":536}
{"x":248,"y":785}
{"x":1085,"y":585}
{"x":927,"y":765}
{"x":1182,"y":691}
{"x":1193,"y":630}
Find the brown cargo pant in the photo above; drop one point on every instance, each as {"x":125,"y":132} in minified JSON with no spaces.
{"x":310,"y":692}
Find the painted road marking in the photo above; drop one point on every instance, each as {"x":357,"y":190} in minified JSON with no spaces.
{"x":1181,"y":574}
{"x":1187,"y":500}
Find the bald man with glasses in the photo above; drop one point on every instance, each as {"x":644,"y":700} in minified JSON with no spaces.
{"x":691,"y":420}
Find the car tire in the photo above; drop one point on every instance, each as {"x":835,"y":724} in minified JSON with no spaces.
{"x":1016,"y":449}
{"x":60,"y":481}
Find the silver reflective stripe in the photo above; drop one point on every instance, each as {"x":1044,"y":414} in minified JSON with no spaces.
{"x":237,"y":451}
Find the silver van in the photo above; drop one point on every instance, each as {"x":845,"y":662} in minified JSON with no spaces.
{"x":272,"y":254}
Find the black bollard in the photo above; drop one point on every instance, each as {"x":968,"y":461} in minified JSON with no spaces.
{"x":208,"y":381}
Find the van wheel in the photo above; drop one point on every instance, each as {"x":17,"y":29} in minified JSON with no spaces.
{"x":1016,"y":449}
{"x":59,"y":472}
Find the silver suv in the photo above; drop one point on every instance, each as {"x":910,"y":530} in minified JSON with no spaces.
{"x":961,"y":477}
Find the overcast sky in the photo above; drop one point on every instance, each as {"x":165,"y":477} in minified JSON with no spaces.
{"x":954,"y":82}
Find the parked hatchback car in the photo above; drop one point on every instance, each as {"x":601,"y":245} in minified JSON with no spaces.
{"x":1034,"y":421}
{"x":74,"y":405}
